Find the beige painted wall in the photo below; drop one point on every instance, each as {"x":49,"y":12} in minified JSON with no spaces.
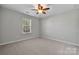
{"x":62,"y":27}
{"x":10,"y":26}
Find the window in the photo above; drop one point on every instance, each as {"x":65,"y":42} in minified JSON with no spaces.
{"x":26,"y":26}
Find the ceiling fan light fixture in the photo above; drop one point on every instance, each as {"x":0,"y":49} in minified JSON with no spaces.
{"x":41,"y":8}
{"x":40,"y":11}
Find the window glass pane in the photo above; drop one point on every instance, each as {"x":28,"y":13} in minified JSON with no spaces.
{"x":26,"y":29}
{"x":26,"y":25}
{"x":27,"y":22}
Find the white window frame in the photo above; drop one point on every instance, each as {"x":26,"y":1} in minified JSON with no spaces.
{"x":23,"y":25}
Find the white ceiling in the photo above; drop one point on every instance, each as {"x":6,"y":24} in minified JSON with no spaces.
{"x":54,"y":9}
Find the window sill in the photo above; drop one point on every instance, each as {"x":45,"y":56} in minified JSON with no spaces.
{"x":26,"y":32}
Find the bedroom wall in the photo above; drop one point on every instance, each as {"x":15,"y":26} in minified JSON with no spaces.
{"x":10,"y":26}
{"x":62,"y":27}
{"x":78,"y":27}
{"x":0,"y":25}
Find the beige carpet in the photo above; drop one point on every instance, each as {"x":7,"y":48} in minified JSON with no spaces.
{"x":38,"y":46}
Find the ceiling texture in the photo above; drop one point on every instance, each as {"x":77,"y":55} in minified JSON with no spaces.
{"x":54,"y":9}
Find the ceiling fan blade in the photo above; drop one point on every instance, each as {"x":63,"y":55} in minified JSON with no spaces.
{"x":46,"y":8}
{"x":37,"y":13}
{"x":39,"y":5}
{"x":44,"y":12}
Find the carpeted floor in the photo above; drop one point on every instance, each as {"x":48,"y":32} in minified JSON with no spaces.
{"x":38,"y":46}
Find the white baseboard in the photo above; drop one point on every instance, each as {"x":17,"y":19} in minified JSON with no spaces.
{"x":37,"y":36}
{"x":57,"y":39}
{"x":31,"y":37}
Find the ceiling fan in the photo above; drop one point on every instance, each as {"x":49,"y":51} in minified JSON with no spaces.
{"x":40,"y":9}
